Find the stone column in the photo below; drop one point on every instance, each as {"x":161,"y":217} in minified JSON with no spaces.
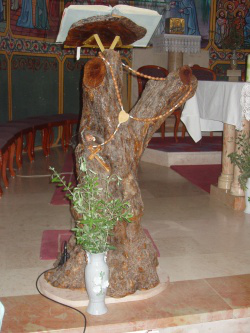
{"x":235,"y":187}
{"x":226,"y":177}
{"x":175,"y":61}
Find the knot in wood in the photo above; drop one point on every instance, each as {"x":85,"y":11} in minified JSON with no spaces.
{"x":94,"y":73}
{"x":185,"y":73}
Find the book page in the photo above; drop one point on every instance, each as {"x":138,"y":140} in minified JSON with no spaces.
{"x":147,"y":18}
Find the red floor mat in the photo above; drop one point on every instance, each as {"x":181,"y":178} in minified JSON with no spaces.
{"x":202,"y":176}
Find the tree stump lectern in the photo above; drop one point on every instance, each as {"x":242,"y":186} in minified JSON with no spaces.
{"x":113,"y":142}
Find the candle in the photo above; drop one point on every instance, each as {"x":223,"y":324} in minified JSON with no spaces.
{"x":248,"y":69}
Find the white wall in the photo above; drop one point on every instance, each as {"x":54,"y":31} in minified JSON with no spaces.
{"x":142,"y":57}
{"x":201,"y":59}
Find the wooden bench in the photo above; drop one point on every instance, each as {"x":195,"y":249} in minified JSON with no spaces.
{"x":13,"y":132}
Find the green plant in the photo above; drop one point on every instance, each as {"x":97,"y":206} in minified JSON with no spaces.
{"x":241,"y":158}
{"x":96,"y":207}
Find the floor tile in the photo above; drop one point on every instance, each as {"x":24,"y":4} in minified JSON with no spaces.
{"x":197,"y":238}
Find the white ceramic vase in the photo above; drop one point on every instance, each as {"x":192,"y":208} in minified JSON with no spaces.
{"x":247,"y":195}
{"x":96,"y":281}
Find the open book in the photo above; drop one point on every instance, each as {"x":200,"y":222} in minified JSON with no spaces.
{"x":149,"y":19}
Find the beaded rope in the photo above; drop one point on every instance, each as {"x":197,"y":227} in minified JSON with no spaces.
{"x":157,"y":79}
{"x":144,"y":75}
{"x":109,"y":139}
{"x":146,"y":120}
{"x":113,"y":78}
{"x":176,"y":106}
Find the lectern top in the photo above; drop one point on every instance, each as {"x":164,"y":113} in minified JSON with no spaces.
{"x":107,"y":27}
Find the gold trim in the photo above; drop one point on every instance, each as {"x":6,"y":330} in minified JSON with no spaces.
{"x":9,"y":88}
{"x":116,"y":42}
{"x":211,"y":25}
{"x":30,"y":54}
{"x":99,"y":42}
{"x":8,"y":81}
{"x":225,"y":62}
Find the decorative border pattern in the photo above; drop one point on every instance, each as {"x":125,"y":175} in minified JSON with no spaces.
{"x":71,"y":65}
{"x":10,"y":45}
{"x":34,"y":63}
{"x":221,"y":55}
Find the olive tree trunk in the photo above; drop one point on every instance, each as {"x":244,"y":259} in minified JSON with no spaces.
{"x":133,"y":264}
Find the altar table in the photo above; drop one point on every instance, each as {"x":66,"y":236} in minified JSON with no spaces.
{"x":214,"y":104}
{"x":216,"y":107}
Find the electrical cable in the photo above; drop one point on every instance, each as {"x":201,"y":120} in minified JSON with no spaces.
{"x":33,"y":176}
{"x":68,"y":306}
{"x":41,"y":176}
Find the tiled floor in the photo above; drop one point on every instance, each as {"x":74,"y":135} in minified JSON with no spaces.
{"x":197,"y":239}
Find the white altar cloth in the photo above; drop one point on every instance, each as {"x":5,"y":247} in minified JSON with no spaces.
{"x":215,"y":103}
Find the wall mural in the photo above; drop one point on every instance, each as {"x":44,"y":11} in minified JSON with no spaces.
{"x":230,"y":35}
{"x":35,"y":18}
{"x":195,"y":13}
{"x":232,"y":25}
{"x":41,"y":18}
{"x":38,"y":20}
{"x":30,"y":27}
{"x":3,"y":15}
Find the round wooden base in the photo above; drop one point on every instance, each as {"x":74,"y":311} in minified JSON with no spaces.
{"x":79,"y":298}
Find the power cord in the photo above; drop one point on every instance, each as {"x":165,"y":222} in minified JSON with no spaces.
{"x":65,"y":255}
{"x":64,"y":258}
{"x":41,"y":176}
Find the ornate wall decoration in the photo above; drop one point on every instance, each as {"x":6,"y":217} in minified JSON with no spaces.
{"x":3,"y":16}
{"x":230,"y":33}
{"x":39,"y":19}
{"x":34,"y":36}
{"x":74,"y":65}
{"x":34,"y":64}
{"x":232,"y":24}
{"x":221,"y":55}
{"x":9,"y":44}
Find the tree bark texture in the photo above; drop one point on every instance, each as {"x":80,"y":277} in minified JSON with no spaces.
{"x":133,"y":264}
